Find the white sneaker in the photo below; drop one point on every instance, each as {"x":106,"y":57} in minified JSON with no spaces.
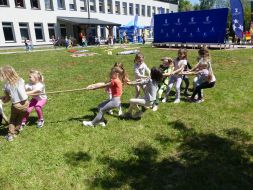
{"x":88,"y":124}
{"x":120,"y":113}
{"x":164,"y":100}
{"x":110,"y":112}
{"x":9,"y":138}
{"x":177,"y":101}
{"x":155,"y":108}
{"x":102,"y":124}
{"x":40,"y":123}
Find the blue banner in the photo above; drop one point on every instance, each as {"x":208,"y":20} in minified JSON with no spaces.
{"x":237,"y":17}
{"x":208,"y":26}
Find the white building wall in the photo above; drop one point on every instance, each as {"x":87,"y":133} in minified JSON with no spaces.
{"x":31,"y":16}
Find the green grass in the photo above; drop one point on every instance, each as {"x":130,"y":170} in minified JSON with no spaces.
{"x":185,"y":146}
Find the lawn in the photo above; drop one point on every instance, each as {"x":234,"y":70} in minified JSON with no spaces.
{"x":183,"y":146}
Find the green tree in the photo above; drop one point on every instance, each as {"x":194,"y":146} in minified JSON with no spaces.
{"x":206,"y":4}
{"x":185,"y":5}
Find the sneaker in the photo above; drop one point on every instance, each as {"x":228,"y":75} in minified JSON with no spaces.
{"x":40,"y":123}
{"x":21,"y":127}
{"x":199,"y":101}
{"x":110,"y":112}
{"x":155,"y":108}
{"x":177,"y":101}
{"x":137,"y":115}
{"x":120,"y":113}
{"x":102,"y":124}
{"x":9,"y":138}
{"x":88,"y":124}
{"x":164,"y":100}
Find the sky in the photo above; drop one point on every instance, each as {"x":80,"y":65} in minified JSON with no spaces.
{"x":194,"y":1}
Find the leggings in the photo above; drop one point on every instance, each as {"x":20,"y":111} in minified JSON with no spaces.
{"x":200,"y":87}
{"x":187,"y":83}
{"x":37,"y":105}
{"x":106,"y":106}
{"x":178,"y":80}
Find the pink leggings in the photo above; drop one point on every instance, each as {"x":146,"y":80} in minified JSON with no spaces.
{"x":38,"y":105}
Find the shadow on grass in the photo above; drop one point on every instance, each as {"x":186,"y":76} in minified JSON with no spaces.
{"x":77,"y":158}
{"x":201,"y":161}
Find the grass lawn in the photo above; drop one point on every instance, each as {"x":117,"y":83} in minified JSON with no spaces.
{"x":184,"y":146}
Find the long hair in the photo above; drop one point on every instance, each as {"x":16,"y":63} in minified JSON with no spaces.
{"x":8,"y":74}
{"x":156,"y":74}
{"x":37,"y":75}
{"x":204,"y":53}
{"x":182,"y":51}
{"x":125,"y":77}
{"x":121,"y":74}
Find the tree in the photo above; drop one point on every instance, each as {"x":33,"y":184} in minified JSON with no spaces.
{"x":185,"y":5}
{"x":206,"y":4}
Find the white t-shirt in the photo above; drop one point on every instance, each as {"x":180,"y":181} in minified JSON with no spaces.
{"x":179,"y":63}
{"x":39,"y":87}
{"x":17,"y":92}
{"x":141,"y":70}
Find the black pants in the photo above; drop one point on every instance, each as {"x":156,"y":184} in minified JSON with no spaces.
{"x":200,"y":87}
{"x":187,"y":83}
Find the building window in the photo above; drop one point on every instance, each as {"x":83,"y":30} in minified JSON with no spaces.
{"x":102,"y":32}
{"x":167,"y":11}
{"x":109,"y":6}
{"x":117,"y":7}
{"x":61,"y":4}
{"x":24,"y":31}
{"x":39,"y":31}
{"x":83,"y":5}
{"x":153,"y":11}
{"x":20,"y":3}
{"x":35,"y":4}
{"x":72,"y":5}
{"x":124,"y":8}
{"x":149,"y":11}
{"x":131,"y":8}
{"x":93,"y":5}
{"x":8,"y":32}
{"x":49,"y":5}
{"x":3,"y":3}
{"x":143,"y":11}
{"x":51,"y":30}
{"x":101,"y":6}
{"x":137,"y":9}
{"x":63,"y":30}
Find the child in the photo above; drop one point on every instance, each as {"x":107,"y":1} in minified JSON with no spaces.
{"x":167,"y":68}
{"x":120,"y":65}
{"x":116,"y":83}
{"x":141,"y":71}
{"x":186,"y":79}
{"x":149,"y":93}
{"x":179,"y":64}
{"x":26,"y":45}
{"x":36,"y":86}
{"x":84,"y":41}
{"x":14,"y":89}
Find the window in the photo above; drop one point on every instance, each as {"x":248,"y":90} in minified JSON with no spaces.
{"x":72,"y":5}
{"x":102,"y":32}
{"x":93,"y":5}
{"x":20,"y":3}
{"x":124,"y":8}
{"x":149,"y":11}
{"x":143,"y":10}
{"x":101,"y":6}
{"x":49,"y":5}
{"x":8,"y":32}
{"x":61,"y":4}
{"x":35,"y":4}
{"x":83,"y":5}
{"x":117,"y":7}
{"x":39,"y":31}
{"x":51,"y":30}
{"x":3,"y":3}
{"x":131,"y":8}
{"x":137,"y":9}
{"x":153,"y":11}
{"x":167,"y":10}
{"x":109,"y":6}
{"x":63,"y":30}
{"x":24,"y":31}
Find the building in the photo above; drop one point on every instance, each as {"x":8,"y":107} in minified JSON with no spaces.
{"x":39,"y":20}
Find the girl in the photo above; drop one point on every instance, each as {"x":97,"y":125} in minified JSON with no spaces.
{"x":179,"y":64}
{"x":141,"y":71}
{"x":167,"y":68}
{"x":117,"y":79}
{"x":14,"y":89}
{"x":149,"y":93}
{"x":36,"y":86}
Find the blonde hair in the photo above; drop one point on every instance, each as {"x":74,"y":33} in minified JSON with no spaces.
{"x":8,"y":74}
{"x":204,"y":53}
{"x":121,"y":73}
{"x":38,"y":75}
{"x":137,"y":56}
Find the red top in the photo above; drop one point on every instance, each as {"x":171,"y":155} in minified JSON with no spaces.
{"x":116,"y":87}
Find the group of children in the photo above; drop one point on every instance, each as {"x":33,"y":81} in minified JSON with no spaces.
{"x":154,"y":83}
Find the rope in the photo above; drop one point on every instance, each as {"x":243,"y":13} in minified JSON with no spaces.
{"x":61,"y":91}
